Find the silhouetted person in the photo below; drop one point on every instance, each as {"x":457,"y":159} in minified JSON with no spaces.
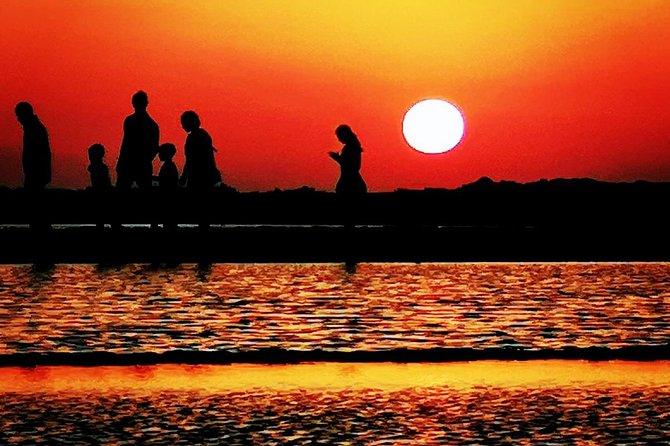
{"x":350,"y":266}
{"x":168,"y":176}
{"x":101,"y":185}
{"x":168,"y":183}
{"x":139,"y":146}
{"x":350,"y":182}
{"x":97,"y":168}
{"x":200,"y":170}
{"x":350,"y":187}
{"x":36,"y":155}
{"x":36,"y":158}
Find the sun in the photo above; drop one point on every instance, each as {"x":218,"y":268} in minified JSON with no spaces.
{"x":433,"y":126}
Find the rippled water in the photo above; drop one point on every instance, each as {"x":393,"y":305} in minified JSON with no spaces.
{"x":137,"y":308}
{"x":482,"y":402}
{"x":140,"y":308}
{"x":486,"y":415}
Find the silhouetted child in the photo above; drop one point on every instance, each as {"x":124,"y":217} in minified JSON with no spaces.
{"x":100,"y":182}
{"x":168,"y":176}
{"x":98,"y":169}
{"x":168,"y":183}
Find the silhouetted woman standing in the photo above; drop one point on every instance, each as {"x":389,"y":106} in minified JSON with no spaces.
{"x":200,"y":170}
{"x":351,"y":182}
{"x":200,"y":173}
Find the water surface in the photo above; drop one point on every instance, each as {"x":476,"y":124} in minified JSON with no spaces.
{"x":242,"y":307}
{"x":485,"y":402}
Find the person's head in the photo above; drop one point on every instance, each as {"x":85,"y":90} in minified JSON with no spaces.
{"x":166,"y":151}
{"x":140,"y":101}
{"x":96,"y":152}
{"x":190,"y":121}
{"x":345,"y":135}
{"x":24,"y":112}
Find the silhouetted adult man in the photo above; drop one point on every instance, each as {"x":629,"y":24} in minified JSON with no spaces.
{"x":36,"y":154}
{"x":139,"y":146}
{"x":36,"y":159}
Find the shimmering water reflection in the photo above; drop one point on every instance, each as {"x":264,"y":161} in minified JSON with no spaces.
{"x":137,"y":308}
{"x":485,"y":402}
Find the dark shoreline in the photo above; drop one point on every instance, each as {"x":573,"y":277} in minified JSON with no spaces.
{"x":279,"y":356}
{"x":327,"y":244}
{"x":557,"y":220}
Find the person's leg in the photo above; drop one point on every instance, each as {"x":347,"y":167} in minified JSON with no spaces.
{"x":143,"y":178}
{"x":124,"y":179}
{"x":37,"y":213}
{"x":38,"y":221}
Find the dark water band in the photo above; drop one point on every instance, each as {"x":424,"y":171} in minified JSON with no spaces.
{"x":279,"y":356}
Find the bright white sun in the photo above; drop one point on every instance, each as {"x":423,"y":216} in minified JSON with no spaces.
{"x":433,"y":126}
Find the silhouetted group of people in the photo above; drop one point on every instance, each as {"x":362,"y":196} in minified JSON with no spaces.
{"x":141,"y":144}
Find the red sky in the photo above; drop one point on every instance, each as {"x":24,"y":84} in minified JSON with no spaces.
{"x":551,"y":88}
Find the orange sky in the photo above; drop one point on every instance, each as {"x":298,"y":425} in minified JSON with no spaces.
{"x":552,"y":88}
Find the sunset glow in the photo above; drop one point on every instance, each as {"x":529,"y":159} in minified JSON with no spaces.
{"x":557,"y":88}
{"x":333,"y":376}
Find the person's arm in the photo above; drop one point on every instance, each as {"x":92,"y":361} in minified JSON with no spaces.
{"x":124,"y":145}
{"x":107,"y":180}
{"x":155,"y":143}
{"x":186,"y":170}
{"x":124,"y":139}
{"x":184,"y":174}
{"x":336,"y":156}
{"x":45,"y":154}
